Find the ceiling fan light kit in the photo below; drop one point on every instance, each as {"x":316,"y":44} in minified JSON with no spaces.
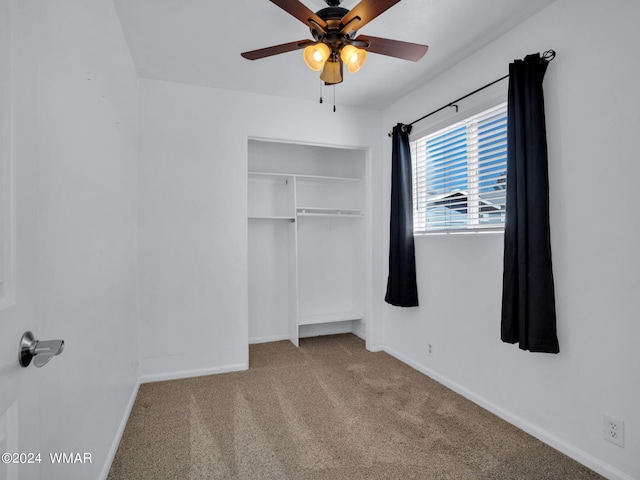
{"x":331,"y":73}
{"x":353,"y":57}
{"x":334,"y":38}
{"x":316,"y":55}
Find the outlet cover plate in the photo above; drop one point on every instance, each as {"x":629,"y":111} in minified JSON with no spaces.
{"x":613,"y":430}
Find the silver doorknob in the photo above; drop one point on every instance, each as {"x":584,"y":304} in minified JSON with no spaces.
{"x":40,"y":351}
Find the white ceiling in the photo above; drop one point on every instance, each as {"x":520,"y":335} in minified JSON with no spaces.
{"x":199,"y":42}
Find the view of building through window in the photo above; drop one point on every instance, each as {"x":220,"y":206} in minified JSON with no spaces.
{"x":459,"y":175}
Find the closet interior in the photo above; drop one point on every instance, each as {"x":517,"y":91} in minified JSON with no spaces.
{"x":307,"y":243}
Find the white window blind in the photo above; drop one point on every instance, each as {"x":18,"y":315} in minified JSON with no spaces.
{"x":459,"y":175}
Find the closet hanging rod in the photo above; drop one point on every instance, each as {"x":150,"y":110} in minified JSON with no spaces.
{"x":546,"y":56}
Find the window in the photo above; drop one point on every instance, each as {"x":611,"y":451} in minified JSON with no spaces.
{"x":459,"y":175}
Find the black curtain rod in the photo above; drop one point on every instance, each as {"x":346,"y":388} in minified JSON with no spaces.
{"x":546,"y":56}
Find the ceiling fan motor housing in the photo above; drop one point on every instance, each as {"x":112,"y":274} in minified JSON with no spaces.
{"x":333,"y":36}
{"x":332,"y":13}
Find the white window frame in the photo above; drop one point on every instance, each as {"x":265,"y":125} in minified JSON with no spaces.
{"x":472,"y":223}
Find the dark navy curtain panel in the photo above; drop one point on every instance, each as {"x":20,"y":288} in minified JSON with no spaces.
{"x":402,"y":290}
{"x":528,"y":301}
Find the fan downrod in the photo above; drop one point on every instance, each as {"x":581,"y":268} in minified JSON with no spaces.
{"x":333,"y":3}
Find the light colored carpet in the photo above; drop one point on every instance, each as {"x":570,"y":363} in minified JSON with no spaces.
{"x":327,"y":410}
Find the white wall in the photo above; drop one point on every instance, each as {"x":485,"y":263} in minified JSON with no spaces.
{"x":592,"y":123}
{"x":193,"y":279}
{"x":76,"y":149}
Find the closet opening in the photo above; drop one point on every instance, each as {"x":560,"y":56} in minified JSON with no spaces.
{"x":309,"y":251}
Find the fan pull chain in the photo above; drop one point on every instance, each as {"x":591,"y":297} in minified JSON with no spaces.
{"x":320,"y":91}
{"x":334,"y":98}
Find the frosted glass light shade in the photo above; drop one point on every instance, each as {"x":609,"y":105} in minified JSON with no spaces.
{"x":316,"y":55}
{"x":353,"y":57}
{"x":331,"y":73}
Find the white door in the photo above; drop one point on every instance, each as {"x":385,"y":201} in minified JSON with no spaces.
{"x":18,"y":386}
{"x":16,"y":400}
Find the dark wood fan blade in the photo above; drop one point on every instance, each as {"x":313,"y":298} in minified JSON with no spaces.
{"x":276,"y":49}
{"x":394,"y":48}
{"x":302,"y":13}
{"x":364,"y":12}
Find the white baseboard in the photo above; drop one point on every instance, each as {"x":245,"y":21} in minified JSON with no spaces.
{"x":198,"y":372}
{"x":376,"y":348}
{"x":350,"y":326}
{"x":116,"y":441}
{"x":578,"y":455}
{"x":359,"y":329}
{"x":273,"y":338}
{"x":335,"y":328}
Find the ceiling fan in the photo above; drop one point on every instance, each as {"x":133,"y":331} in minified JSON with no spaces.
{"x":335,"y":43}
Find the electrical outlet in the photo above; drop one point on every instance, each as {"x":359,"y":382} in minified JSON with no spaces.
{"x":429,"y":350}
{"x":613,"y":430}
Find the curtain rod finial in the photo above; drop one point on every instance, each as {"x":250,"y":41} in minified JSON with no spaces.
{"x":549,"y":55}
